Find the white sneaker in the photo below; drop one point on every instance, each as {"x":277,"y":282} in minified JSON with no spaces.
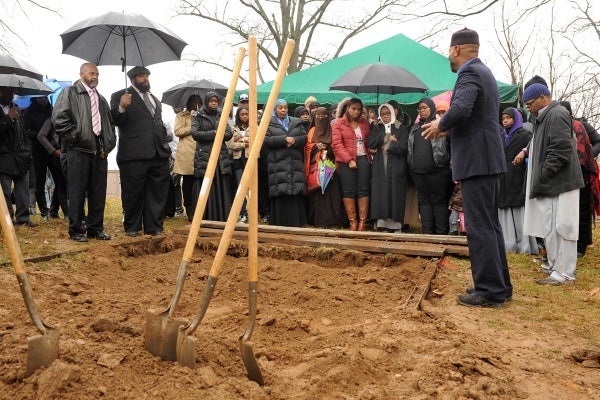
{"x":243,"y":219}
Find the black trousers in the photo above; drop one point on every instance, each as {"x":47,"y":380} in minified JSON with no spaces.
{"x":433,"y":192}
{"x":87,"y":175}
{"x":144,"y":191}
{"x":489,"y":267}
{"x":356,"y":183}
{"x":21,"y":191}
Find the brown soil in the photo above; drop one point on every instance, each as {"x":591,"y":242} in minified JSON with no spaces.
{"x":331,"y":325}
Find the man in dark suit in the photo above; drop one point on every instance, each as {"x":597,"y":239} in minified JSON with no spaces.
{"x":143,"y":155}
{"x":477,"y":161}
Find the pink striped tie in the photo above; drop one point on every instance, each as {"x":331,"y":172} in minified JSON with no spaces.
{"x":96,"y":127}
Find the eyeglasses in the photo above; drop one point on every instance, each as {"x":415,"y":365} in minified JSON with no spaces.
{"x":529,"y":103}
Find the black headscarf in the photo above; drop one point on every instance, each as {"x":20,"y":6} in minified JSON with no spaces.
{"x":431,"y":105}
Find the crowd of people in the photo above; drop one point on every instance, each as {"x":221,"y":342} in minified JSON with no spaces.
{"x":510,"y":180}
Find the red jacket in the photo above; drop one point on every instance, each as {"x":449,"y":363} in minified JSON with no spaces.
{"x":344,"y":139}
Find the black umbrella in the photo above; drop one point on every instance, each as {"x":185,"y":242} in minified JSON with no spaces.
{"x":178,"y":95}
{"x":122,"y":39}
{"x":24,"y":85}
{"x":379,"y":78}
{"x":12,"y":65}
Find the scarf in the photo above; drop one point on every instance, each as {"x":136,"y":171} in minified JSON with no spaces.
{"x":322,"y":127}
{"x":285,"y":122}
{"x":517,"y":124}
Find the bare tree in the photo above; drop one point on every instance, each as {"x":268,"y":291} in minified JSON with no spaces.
{"x":9,"y":9}
{"x":334,"y":22}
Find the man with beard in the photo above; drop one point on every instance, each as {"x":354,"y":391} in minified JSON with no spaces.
{"x":143,"y":155}
{"x":81,"y":117}
{"x":477,"y":154}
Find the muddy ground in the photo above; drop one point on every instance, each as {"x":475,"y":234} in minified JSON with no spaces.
{"x":331,"y":325}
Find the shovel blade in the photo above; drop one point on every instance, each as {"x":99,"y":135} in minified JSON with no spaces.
{"x":161,"y":333}
{"x":42,"y":350}
{"x":153,"y":331}
{"x":186,"y":349}
{"x":250,"y":363}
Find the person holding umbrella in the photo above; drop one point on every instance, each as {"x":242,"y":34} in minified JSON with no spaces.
{"x":81,"y":117}
{"x":143,"y":155}
{"x":350,"y":134}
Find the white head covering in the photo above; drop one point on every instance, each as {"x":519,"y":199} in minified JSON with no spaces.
{"x":388,"y":126}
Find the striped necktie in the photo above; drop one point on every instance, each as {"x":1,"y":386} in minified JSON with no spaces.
{"x":148,"y":103}
{"x":96,"y":126}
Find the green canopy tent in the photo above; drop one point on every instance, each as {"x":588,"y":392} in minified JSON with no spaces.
{"x":429,"y":66}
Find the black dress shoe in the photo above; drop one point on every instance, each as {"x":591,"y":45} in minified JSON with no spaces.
{"x":475,"y":300}
{"x":132,"y":234}
{"x":29,"y":224}
{"x":154,"y":233}
{"x":470,"y":290}
{"x":79,"y":238}
{"x":99,"y":235}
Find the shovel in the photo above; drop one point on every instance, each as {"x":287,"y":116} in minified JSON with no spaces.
{"x":248,"y":357}
{"x":42,"y":349}
{"x":161,"y":330}
{"x":186,"y":344}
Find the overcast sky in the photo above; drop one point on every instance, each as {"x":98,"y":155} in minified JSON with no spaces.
{"x":41,"y":29}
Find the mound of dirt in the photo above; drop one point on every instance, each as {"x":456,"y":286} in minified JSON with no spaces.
{"x":331,"y":324}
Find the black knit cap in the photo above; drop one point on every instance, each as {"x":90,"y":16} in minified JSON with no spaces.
{"x":464,"y":36}
{"x":135,"y":71}
{"x":535,"y":79}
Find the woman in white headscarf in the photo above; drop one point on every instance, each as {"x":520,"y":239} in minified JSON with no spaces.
{"x":389,"y":170}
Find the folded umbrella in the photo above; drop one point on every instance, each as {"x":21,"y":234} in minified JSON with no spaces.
{"x":326,"y":170}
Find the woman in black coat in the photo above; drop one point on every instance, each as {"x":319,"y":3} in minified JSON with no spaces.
{"x":389,"y":170}
{"x":285,"y":140}
{"x":204,"y":129}
{"x":511,"y":193}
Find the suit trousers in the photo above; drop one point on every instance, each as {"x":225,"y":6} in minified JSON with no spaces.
{"x":21,"y":190}
{"x":87,"y":175}
{"x":144,"y":191}
{"x":489,"y":267}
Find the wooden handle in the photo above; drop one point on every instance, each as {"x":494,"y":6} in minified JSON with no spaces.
{"x":252,"y":163}
{"x":253,"y":200}
{"x":212,"y":161}
{"x":11,"y":238}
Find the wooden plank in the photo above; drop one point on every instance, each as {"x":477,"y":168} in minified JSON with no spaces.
{"x":343,"y":233}
{"x":47,"y":257}
{"x":370,"y":246}
{"x":422,"y":286}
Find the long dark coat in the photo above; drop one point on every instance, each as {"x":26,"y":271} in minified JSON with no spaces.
{"x":204,"y":130}
{"x":388,"y":185}
{"x":512,"y":182}
{"x":286,"y":164}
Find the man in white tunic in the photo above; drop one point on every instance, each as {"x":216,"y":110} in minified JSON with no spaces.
{"x":553,"y":182}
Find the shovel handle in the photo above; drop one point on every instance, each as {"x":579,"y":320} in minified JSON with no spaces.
{"x":214,"y":157}
{"x":253,"y":124}
{"x":19,"y":265}
{"x":240,"y":195}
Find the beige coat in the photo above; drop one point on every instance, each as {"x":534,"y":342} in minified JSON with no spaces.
{"x":238,"y":143}
{"x":184,"y":158}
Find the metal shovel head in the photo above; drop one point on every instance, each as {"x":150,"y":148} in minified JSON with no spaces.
{"x":186,"y":349}
{"x":250,"y":362}
{"x":42,"y":350}
{"x":160,"y":337}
